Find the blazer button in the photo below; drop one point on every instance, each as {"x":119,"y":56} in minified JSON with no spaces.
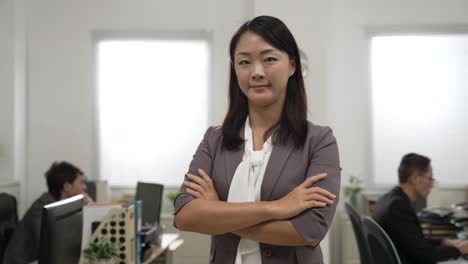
{"x":267,"y":252}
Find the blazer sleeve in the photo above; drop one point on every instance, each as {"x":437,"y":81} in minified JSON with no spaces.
{"x":202,"y":159}
{"x":313,"y":224}
{"x":409,"y":238}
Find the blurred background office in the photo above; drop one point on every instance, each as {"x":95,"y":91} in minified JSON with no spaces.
{"x":109,"y":84}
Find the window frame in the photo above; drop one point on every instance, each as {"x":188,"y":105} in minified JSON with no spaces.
{"x":396,"y":30}
{"x":121,"y":35}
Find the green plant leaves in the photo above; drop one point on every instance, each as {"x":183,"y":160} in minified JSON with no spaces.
{"x":103,"y":249}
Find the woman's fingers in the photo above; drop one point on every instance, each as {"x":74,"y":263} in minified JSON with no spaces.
{"x":194,"y":186}
{"x":206,"y":177}
{"x":198,"y":180}
{"x":194,"y":193}
{"x":319,"y":198}
{"x":313,"y":179}
{"x":315,"y":204}
{"x":203,"y":185}
{"x":321,"y":191}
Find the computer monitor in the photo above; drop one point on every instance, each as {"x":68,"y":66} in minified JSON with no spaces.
{"x":61,"y":231}
{"x":91,"y":189}
{"x":150,"y":195}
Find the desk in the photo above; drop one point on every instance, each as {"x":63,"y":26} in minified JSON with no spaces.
{"x":169,"y":243}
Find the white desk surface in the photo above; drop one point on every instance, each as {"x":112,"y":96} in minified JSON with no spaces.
{"x":166,"y":241}
{"x":456,"y":261}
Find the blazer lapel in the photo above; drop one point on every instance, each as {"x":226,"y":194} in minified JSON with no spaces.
{"x":278,"y":158}
{"x":231,"y":161}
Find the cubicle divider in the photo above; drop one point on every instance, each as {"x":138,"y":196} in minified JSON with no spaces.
{"x":120,"y":226}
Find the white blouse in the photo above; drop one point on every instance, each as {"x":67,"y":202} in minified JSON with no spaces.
{"x":246,"y":186}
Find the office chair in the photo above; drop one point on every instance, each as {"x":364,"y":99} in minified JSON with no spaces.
{"x":356,"y":221}
{"x":8,"y":220}
{"x":381,"y":246}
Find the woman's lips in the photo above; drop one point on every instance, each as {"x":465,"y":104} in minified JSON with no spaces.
{"x":259,"y":88}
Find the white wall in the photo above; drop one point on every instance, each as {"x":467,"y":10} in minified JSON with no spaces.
{"x":6,"y":89}
{"x":13,"y":96}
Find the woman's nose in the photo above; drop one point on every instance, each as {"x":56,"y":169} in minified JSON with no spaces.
{"x":258,"y":71}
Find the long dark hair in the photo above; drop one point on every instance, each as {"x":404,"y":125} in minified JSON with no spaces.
{"x":293,"y":121}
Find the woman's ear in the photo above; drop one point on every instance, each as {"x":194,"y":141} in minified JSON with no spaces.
{"x":292,"y":67}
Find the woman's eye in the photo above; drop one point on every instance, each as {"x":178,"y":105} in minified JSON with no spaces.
{"x":243,"y":62}
{"x":270,"y":59}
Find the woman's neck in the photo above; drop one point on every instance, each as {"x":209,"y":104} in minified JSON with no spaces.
{"x":261,"y":120}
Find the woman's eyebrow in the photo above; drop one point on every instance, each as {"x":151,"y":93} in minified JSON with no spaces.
{"x":244,"y":53}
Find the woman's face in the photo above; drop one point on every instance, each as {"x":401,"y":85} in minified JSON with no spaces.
{"x":262,"y":70}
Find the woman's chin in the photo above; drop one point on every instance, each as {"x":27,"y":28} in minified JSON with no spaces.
{"x":261,"y":102}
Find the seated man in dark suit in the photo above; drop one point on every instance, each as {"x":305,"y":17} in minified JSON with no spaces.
{"x":64,"y":180}
{"x":395,"y":214}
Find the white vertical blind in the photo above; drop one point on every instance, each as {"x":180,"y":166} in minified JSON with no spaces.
{"x":419,"y":86}
{"x":153,"y":108}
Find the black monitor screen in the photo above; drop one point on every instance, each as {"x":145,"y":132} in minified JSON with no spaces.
{"x":61,"y":231}
{"x":150,"y":195}
{"x":91,"y":189}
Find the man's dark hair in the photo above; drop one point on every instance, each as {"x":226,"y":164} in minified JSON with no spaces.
{"x":293,"y":121}
{"x":411,"y":163}
{"x":60,"y":173}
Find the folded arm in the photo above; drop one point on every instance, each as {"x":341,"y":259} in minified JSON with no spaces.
{"x":217,"y":217}
{"x":253,"y":220}
{"x":280,"y":232}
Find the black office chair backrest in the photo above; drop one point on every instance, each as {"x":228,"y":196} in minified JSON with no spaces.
{"x":8,"y":220}
{"x":381,"y":246}
{"x":356,"y":221}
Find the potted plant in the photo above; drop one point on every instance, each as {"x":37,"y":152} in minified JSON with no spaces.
{"x":101,"y":252}
{"x":352,"y":189}
{"x":171,"y":196}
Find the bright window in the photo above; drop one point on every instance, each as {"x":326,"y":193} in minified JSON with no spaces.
{"x":419,"y":86}
{"x":153,"y":108}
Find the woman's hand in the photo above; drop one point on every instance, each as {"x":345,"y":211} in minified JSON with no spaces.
{"x":301,"y":198}
{"x":201,"y":187}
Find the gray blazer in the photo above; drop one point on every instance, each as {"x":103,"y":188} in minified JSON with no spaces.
{"x":287,"y":168}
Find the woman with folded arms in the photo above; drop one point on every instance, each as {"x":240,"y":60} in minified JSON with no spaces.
{"x":265,"y":183}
